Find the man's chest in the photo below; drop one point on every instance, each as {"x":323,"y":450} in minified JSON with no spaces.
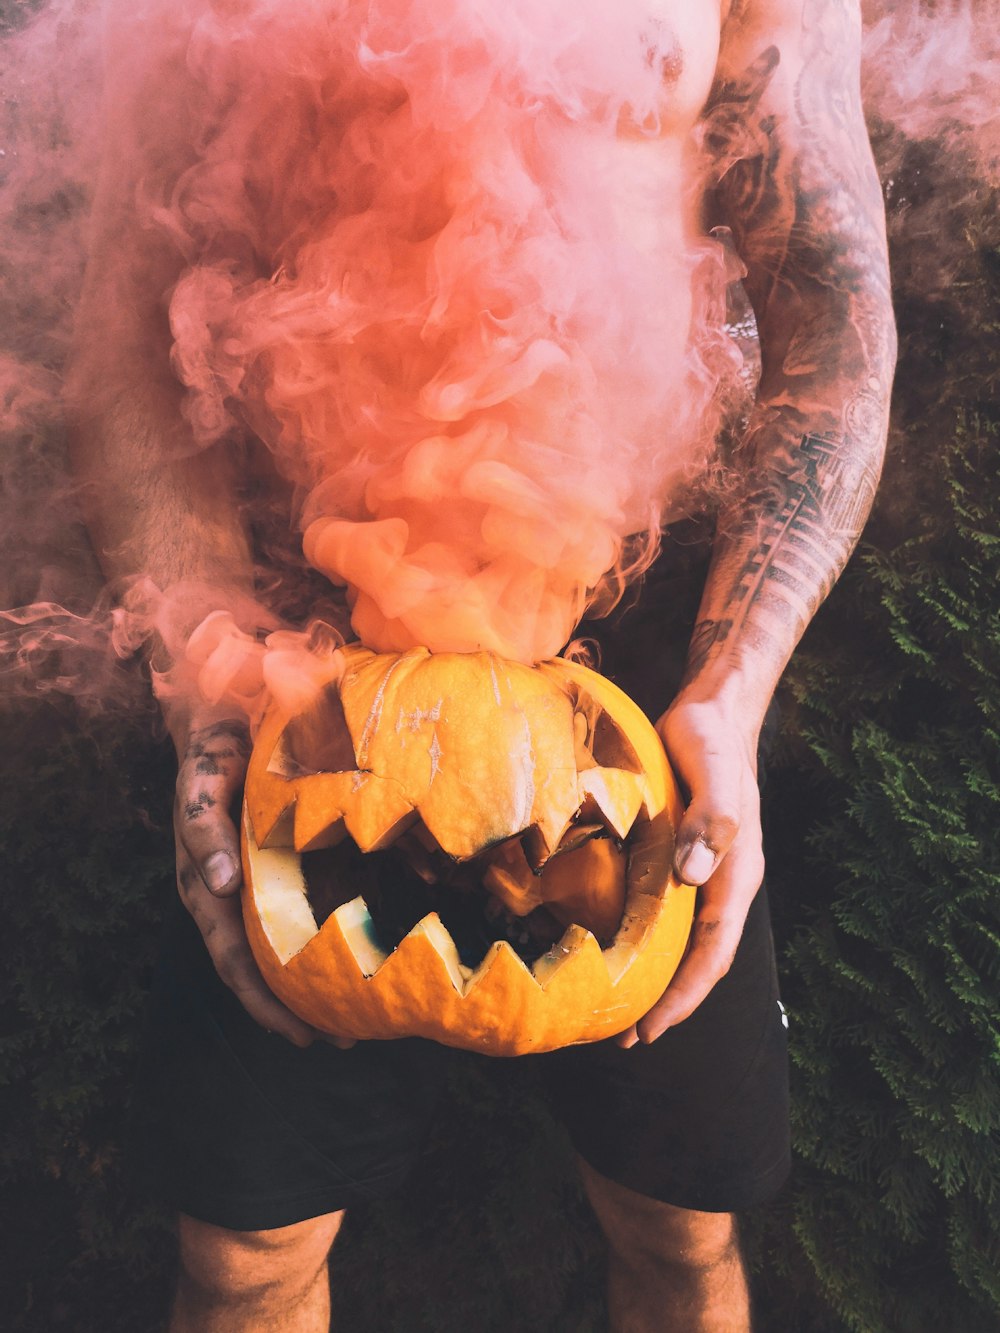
{"x":681,"y":41}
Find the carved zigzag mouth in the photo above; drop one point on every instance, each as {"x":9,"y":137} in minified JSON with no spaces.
{"x":539,"y":804}
{"x":292,"y":915}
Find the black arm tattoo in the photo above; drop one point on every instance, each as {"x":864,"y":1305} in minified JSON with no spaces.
{"x":798,"y":186}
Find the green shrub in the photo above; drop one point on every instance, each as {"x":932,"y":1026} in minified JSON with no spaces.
{"x":886,"y":808}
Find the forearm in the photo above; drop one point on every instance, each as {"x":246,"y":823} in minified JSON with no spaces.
{"x":154,"y":506}
{"x":811,"y":469}
{"x":811,"y":464}
{"x":163,"y":517}
{"x":800,"y":191}
{"x":158,"y":508}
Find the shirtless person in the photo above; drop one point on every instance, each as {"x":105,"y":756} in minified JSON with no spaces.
{"x":804,"y":206}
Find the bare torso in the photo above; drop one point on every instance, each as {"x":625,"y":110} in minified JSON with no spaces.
{"x":633,"y":399}
{"x":548,"y":319}
{"x":654,"y":175}
{"x":655,"y":163}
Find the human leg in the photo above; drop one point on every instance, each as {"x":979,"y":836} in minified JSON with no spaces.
{"x":677,"y":1136}
{"x":699,"y":1118}
{"x":668,"y":1268}
{"x":238,"y":1127}
{"x":254,"y":1281}
{"x":265,"y":1143}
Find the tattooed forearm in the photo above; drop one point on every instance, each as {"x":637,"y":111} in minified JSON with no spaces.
{"x":799,"y":189}
{"x":795,"y":539}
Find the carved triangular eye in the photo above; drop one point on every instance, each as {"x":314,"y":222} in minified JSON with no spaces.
{"x":316,"y":741}
{"x":598,"y":739}
{"x":612,"y":748}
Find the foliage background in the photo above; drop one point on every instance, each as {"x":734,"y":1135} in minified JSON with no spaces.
{"x":883,"y":805}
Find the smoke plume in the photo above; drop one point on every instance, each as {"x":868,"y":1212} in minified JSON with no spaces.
{"x":400,"y":258}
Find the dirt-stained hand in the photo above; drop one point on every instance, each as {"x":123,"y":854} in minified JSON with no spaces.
{"x":718,"y":848}
{"x":213,"y":752}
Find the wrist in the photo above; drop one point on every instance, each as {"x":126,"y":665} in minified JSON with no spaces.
{"x":736,"y":673}
{"x":184,"y":716}
{"x":738,"y":699}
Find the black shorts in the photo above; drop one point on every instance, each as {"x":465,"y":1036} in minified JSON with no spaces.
{"x":242,"y":1129}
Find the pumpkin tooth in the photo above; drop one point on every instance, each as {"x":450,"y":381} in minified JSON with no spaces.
{"x":318,"y":807}
{"x":395,"y":831}
{"x":642,"y":911}
{"x":433,"y":929}
{"x":359,"y":931}
{"x":577,"y":834}
{"x":313,"y":834}
{"x":569,"y":941}
{"x":330,"y":836}
{"x":272,"y":830}
{"x":424,"y":957}
{"x":279,"y":890}
{"x":555,"y":815}
{"x":376,"y":822}
{"x":576,"y":961}
{"x":502,"y":970}
{"x":612,"y":795}
{"x":541,"y":844}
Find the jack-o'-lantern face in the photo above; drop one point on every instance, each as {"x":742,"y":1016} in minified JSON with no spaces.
{"x":463,"y":848}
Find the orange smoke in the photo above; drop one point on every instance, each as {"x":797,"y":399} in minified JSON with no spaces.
{"x":405,"y":261}
{"x":407,"y":270}
{"x":933,"y":72}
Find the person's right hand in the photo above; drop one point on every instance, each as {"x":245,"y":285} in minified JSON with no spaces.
{"x":213,"y":750}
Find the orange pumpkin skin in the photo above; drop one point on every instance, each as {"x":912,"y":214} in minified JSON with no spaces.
{"x":480,"y":750}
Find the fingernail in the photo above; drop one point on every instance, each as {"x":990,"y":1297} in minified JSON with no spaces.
{"x":219,"y":870}
{"x":698,"y":865}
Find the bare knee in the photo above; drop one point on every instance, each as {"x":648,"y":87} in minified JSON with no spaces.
{"x":643,"y":1232}
{"x":248,"y":1267}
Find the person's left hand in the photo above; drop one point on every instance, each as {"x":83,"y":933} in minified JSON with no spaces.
{"x":718,"y":848}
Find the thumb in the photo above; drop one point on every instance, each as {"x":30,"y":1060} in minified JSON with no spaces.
{"x":712,"y":817}
{"x":209,"y":838}
{"x":210,"y":777}
{"x":702,"y":842}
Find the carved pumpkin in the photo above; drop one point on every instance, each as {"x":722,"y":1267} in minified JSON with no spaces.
{"x":526,"y":794}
